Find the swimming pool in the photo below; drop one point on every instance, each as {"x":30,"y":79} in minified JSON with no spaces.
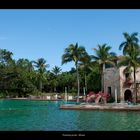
{"x":27,"y":115}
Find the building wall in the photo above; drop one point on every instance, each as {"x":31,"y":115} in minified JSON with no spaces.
{"x":138,"y":82}
{"x":115,"y":79}
{"x":111,"y":79}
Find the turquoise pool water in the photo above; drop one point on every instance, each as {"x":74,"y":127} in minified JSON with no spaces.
{"x":18,"y":115}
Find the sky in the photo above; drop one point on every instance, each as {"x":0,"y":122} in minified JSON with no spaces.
{"x":45,"y":33}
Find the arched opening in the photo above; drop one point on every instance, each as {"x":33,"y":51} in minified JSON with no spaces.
{"x":128,"y":95}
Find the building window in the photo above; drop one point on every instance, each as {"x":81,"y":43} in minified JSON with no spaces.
{"x":109,"y":90}
{"x":127,"y":75}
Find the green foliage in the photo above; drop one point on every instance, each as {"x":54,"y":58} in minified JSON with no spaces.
{"x":2,"y":95}
{"x":102,"y":57}
{"x":23,"y":77}
{"x":76,"y":54}
{"x":73,"y":91}
{"x":41,"y":66}
{"x":111,"y":100}
{"x":56,"y":70}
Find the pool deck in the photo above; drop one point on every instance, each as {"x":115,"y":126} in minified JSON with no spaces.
{"x":103,"y":107}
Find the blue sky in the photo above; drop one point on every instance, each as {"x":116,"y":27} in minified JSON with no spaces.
{"x":46,"y":33}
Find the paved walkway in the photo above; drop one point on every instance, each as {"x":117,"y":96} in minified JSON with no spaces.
{"x":108,"y":106}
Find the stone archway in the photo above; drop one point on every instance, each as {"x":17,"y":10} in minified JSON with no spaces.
{"x":128,"y":95}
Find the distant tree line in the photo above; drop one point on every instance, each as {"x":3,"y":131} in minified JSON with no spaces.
{"x":23,"y":77}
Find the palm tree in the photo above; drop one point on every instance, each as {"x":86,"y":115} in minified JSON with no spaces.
{"x":5,"y":56}
{"x":131,"y":51}
{"x":131,"y":41}
{"x":25,"y":64}
{"x":56,"y":71}
{"x":103,"y":56}
{"x":40,"y":64}
{"x":74,"y":53}
{"x":85,"y":66}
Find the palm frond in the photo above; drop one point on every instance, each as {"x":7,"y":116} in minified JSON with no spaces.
{"x":113,"y":54}
{"x":133,"y":36}
{"x":94,"y":57}
{"x":121,"y":45}
{"x":66,"y":58}
{"x":110,"y":62}
{"x":126,"y":36}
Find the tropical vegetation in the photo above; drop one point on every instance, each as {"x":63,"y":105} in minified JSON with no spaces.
{"x":24,"y":77}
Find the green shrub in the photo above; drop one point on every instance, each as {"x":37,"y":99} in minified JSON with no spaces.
{"x":111,"y":100}
{"x":2,"y":95}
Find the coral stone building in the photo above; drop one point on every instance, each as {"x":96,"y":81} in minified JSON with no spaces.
{"x":120,"y":84}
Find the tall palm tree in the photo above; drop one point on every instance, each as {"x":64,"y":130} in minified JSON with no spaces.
{"x":85,"y":66}
{"x":41,"y":65}
{"x":103,"y":56}
{"x":131,"y":41}
{"x":74,"y":53}
{"x":131,"y":51}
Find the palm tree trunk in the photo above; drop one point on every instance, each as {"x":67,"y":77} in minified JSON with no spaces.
{"x":102,"y":78}
{"x":102,"y":81}
{"x":135,"y":88}
{"x":40,"y":85}
{"x":85,"y":82}
{"x":78,"y":83}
